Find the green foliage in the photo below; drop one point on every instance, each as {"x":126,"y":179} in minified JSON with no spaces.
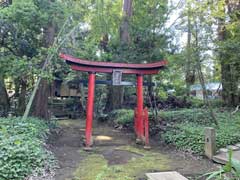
{"x":21,"y":147}
{"x":197,"y":116}
{"x":198,"y":103}
{"x":122,"y":116}
{"x":186,"y":131}
{"x":187,"y":137}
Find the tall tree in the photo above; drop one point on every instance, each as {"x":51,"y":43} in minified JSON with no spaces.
{"x":115,"y":94}
{"x":124,"y":29}
{"x":19,"y":39}
{"x":4,"y":100}
{"x":190,"y":68}
{"x":40,"y":105}
{"x":228,"y":34}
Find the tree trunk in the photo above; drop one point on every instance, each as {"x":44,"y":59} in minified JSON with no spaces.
{"x":41,"y":100}
{"x":40,"y":105}
{"x":202,"y":81}
{"x":4,"y":100}
{"x":150,"y":87}
{"x":190,"y":69}
{"x":115,"y":93}
{"x":22,"y":97}
{"x":124,"y":29}
{"x":115,"y":98}
{"x":229,"y":72}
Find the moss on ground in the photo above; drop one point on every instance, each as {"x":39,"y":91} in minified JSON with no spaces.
{"x":95,"y":167}
{"x":68,"y":122}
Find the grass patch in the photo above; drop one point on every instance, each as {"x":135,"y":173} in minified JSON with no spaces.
{"x":95,"y":167}
{"x":21,"y":147}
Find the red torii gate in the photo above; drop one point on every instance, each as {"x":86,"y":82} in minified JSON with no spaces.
{"x":92,"y":67}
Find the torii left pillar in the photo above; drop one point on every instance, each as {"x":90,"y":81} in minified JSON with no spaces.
{"x":90,"y":105}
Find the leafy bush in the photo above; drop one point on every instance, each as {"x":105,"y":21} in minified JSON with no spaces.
{"x":21,"y":147}
{"x":228,"y":133}
{"x":122,"y":116}
{"x":187,"y":137}
{"x":198,"y":103}
{"x":217,"y":103}
{"x":198,"y":116}
{"x":188,"y":131}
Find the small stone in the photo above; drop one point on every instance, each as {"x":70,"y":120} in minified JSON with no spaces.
{"x":147,"y":147}
{"x":234,"y":148}
{"x":238,"y":145}
{"x":87,"y":149}
{"x":139,"y":141}
{"x":223,"y":150}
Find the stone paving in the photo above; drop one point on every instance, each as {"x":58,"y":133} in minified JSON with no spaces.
{"x":222,"y":155}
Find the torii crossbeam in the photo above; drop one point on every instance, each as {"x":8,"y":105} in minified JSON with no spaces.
{"x":117,"y":69}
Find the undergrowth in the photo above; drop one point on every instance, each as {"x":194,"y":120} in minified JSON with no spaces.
{"x":184,"y":128}
{"x":22,"y":149}
{"x":198,"y":116}
{"x":187,"y":133}
{"x":122,"y":117}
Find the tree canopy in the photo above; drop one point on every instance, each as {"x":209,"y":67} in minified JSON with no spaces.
{"x":184,"y":32}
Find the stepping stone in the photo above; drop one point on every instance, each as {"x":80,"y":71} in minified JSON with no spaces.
{"x":223,"y":150}
{"x":234,"y":148}
{"x":222,"y":158}
{"x":238,"y":145}
{"x":172,"y":175}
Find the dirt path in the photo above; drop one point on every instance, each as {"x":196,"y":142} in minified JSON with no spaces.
{"x":116,"y":156}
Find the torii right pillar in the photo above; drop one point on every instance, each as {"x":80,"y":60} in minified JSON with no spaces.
{"x":142,"y":127}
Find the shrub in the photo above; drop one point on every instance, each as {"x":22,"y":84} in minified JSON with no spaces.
{"x":187,"y":137}
{"x":228,"y":133}
{"x":122,"y":116}
{"x":198,"y":116}
{"x":188,"y":134}
{"x":21,"y":147}
{"x":198,"y":103}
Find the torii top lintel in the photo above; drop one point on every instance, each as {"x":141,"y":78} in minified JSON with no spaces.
{"x":108,"y":67}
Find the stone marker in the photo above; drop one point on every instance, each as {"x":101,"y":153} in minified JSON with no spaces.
{"x":210,"y":142}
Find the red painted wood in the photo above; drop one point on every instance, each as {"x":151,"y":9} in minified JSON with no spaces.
{"x":135,"y":120}
{"x":140,"y":118}
{"x":81,"y":62}
{"x":110,"y":70}
{"x":90,"y":104}
{"x":146,"y":127}
{"x":140,"y":106}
